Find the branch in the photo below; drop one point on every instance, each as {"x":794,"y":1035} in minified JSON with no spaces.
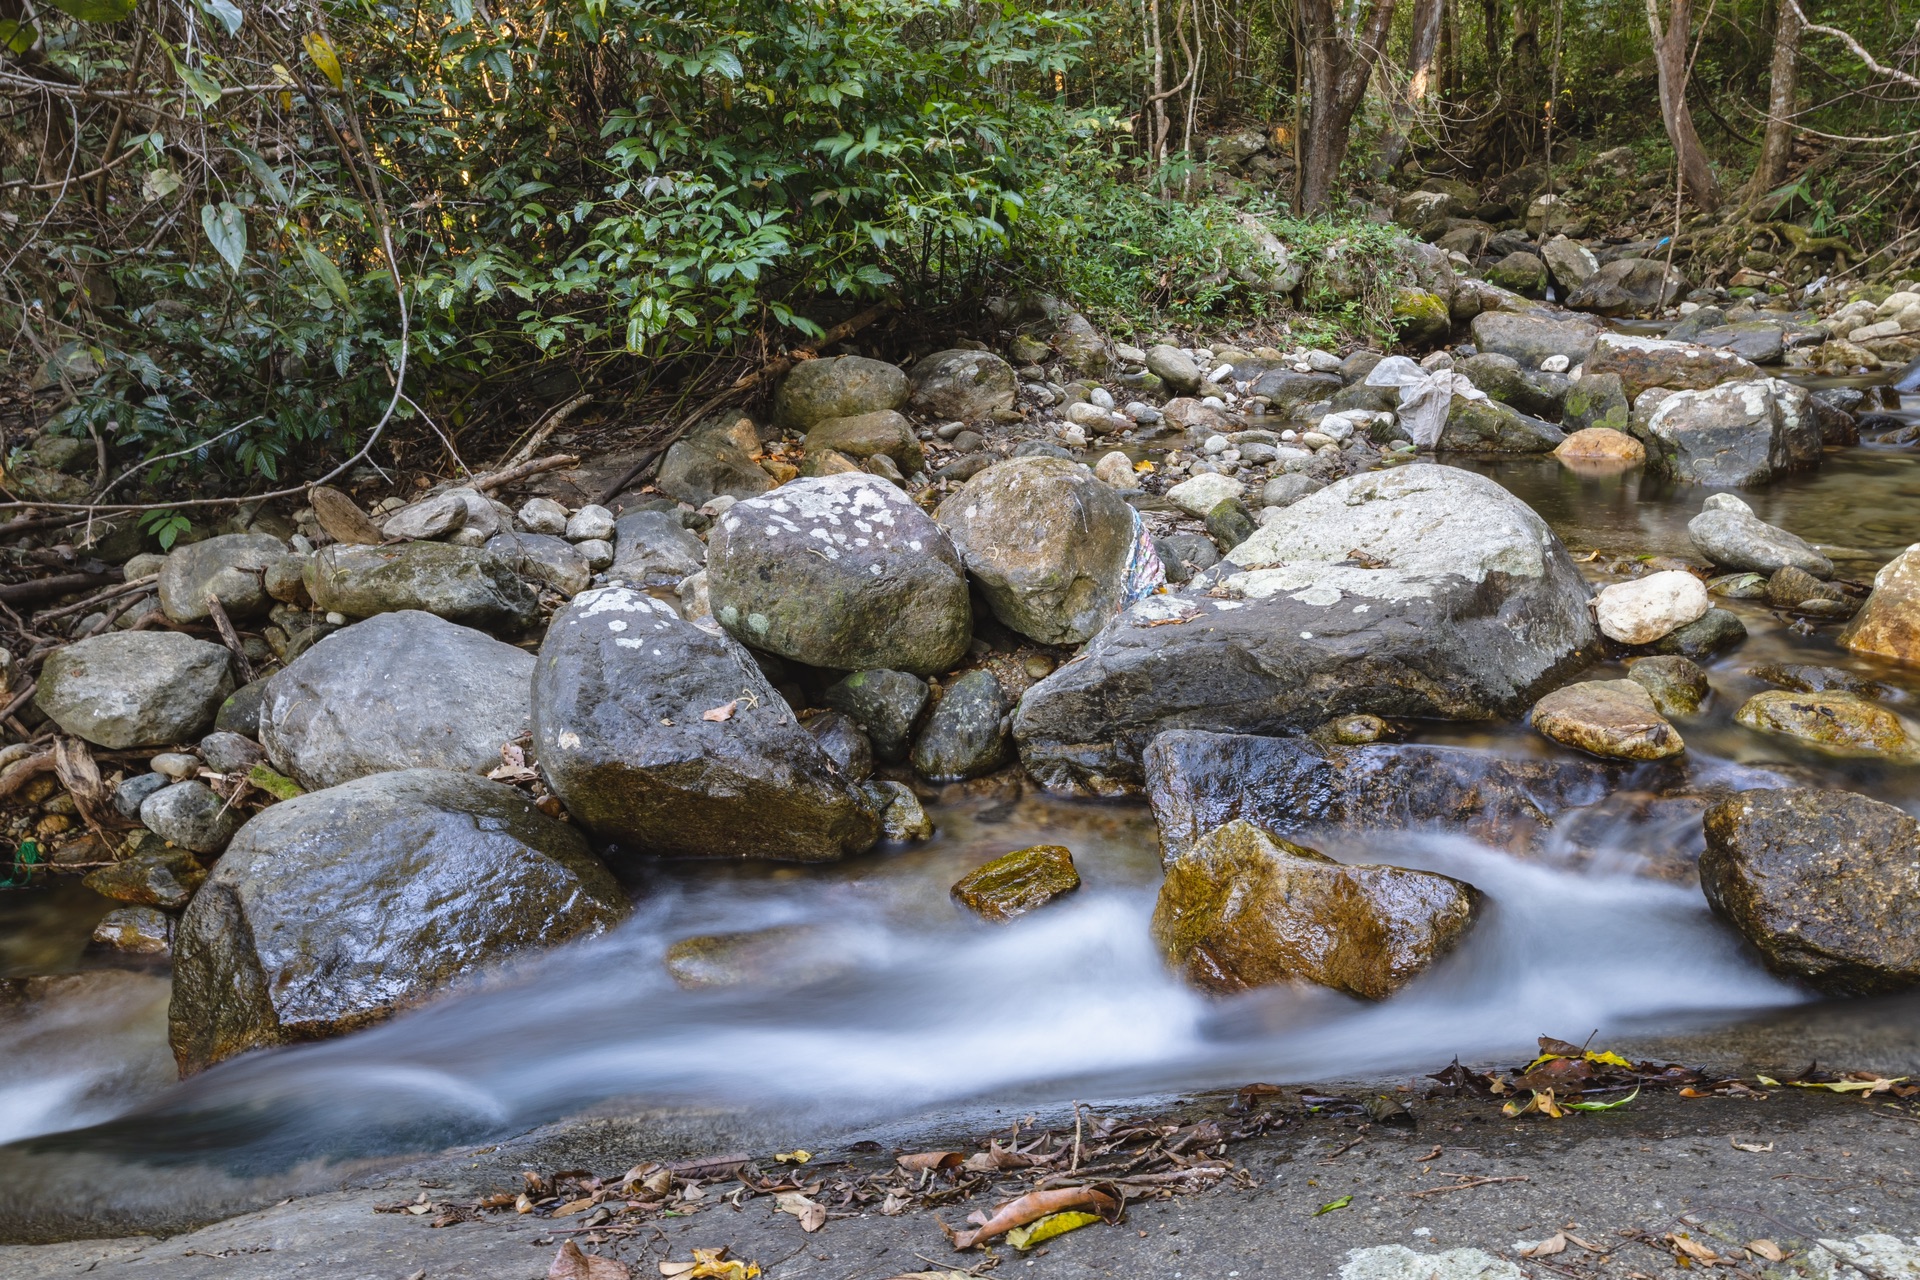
{"x":1853,"y":46}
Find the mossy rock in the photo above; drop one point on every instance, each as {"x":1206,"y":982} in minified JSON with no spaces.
{"x":1016,"y":883}
{"x":1423,"y":319}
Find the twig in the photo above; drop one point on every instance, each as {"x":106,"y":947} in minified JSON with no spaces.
{"x":546,"y":427}
{"x":501,"y":479}
{"x":81,"y":606}
{"x":230,"y":637}
{"x":58,"y":585}
{"x":1463,"y":1186}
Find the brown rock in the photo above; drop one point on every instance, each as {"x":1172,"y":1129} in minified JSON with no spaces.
{"x":885,"y":432}
{"x":1843,"y":723}
{"x":1789,"y":587}
{"x":1888,"y":625}
{"x":1601,"y":444}
{"x":1678,"y":685}
{"x":1018,"y":882}
{"x":159,"y":877}
{"x":1614,"y":719}
{"x":1243,"y":909}
{"x":342,"y":518}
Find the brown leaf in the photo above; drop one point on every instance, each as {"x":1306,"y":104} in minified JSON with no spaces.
{"x":1766,"y":1250}
{"x":722,"y":712}
{"x":1028,"y":1208}
{"x":1692,"y":1248}
{"x":812,"y":1214}
{"x":1556,"y":1243}
{"x":571,"y":1264}
{"x":342,"y":517}
{"x":930,"y":1160}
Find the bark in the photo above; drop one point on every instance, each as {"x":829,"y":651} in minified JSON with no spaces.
{"x":1339,"y":64}
{"x":1770,"y":174}
{"x":1671,"y":56}
{"x":1424,"y":44}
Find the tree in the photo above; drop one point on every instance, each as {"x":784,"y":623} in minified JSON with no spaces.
{"x":1340,"y":60}
{"x":1675,"y":66}
{"x":1427,"y":15}
{"x":1770,"y":173}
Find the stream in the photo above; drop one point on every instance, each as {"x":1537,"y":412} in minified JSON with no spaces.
{"x":910,"y":1005}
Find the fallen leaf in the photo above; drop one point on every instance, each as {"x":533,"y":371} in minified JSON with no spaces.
{"x":792,"y":1157}
{"x":812,"y":1214}
{"x":1018,"y":1212}
{"x":1331,"y":1205}
{"x":1758,"y":1148}
{"x":1615,"y":1105}
{"x":929,"y":1160}
{"x":1556,"y":1243}
{"x":1865,"y":1088}
{"x":571,"y":1264}
{"x":722,"y":712}
{"x":1054,"y":1224}
{"x":1766,"y":1250}
{"x":710,"y":1264}
{"x":572,"y":1207}
{"x":1692,"y":1248}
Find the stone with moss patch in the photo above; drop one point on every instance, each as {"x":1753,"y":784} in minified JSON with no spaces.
{"x":1018,"y":882}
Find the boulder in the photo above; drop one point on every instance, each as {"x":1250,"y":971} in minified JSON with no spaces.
{"x":1488,"y":426}
{"x":1571,"y":263}
{"x":1422,"y":591}
{"x":545,"y":558}
{"x":662,"y":738}
{"x":1641,"y":362}
{"x":1756,"y":341}
{"x":1841,"y":723}
{"x":541,"y":515}
{"x":1200,"y":494}
{"x":1677,"y":685}
{"x":1242,"y":909}
{"x":1285,"y":390}
{"x":1807,"y":677}
{"x":1081,"y":345}
{"x":335,"y":909}
{"x":1642,"y":610}
{"x":135,"y":688}
{"x":461,"y":584}
{"x":1018,"y":882}
{"x":962,"y":385}
{"x":886,"y":433}
{"x":591,"y":523}
{"x":1601,"y":445}
{"x":838,"y":387}
{"x":1596,"y":400}
{"x":1197,"y":781}
{"x":1528,"y":390}
{"x":718,"y":462}
{"x":966,"y":735}
{"x":1715,"y":630}
{"x":1422,"y":319}
{"x":1887,"y":626}
{"x":1825,"y":884}
{"x":1175,"y":368}
{"x":887,"y":705}
{"x":228,"y":567}
{"x":653,"y":549}
{"x":1047,"y":543}
{"x":1738,"y":433}
{"x":1522,"y":272}
{"x":1613,"y":719}
{"x":190,"y":815}
{"x":434,"y":517}
{"x":403,"y":690}
{"x":840,"y":571}
{"x":1530,"y":339}
{"x":1730,"y":535}
{"x":1628,"y":287}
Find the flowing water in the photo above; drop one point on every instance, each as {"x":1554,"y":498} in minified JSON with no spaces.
{"x":902,"y":1003}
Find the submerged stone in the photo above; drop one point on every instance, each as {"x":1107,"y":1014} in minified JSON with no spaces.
{"x":1018,"y":882}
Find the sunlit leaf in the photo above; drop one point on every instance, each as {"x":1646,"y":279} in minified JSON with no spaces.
{"x":1054,"y":1224}
{"x":97,"y":10}
{"x":226,"y":228}
{"x":1331,"y":1205}
{"x":322,"y":266}
{"x":320,"y":50}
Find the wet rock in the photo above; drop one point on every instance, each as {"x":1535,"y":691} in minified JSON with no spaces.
{"x":228,"y":567}
{"x":164,"y":878}
{"x":653,"y":549}
{"x":1355,"y":731}
{"x":840,"y":571}
{"x":1789,"y":588}
{"x":1677,"y":685}
{"x":1488,"y":426}
{"x":1716,"y":629}
{"x":718,"y":461}
{"x":130,"y":794}
{"x":1825,"y":884}
{"x":461,"y":584}
{"x":844,"y":744}
{"x":399,"y":691}
{"x":1424,"y":591}
{"x":137,"y":931}
{"x":886,"y":704}
{"x":1202,"y":493}
{"x":1628,"y":287}
{"x":226,"y":752}
{"x":967,"y":734}
{"x":1047,"y":543}
{"x":842,"y":387}
{"x":335,"y":909}
{"x":1018,"y":882}
{"x":1601,"y":444}
{"x":886,"y":433}
{"x":1613,"y":719}
{"x":1738,"y":433}
{"x":1888,"y":625}
{"x":965,"y":386}
{"x":902,"y":817}
{"x":1730,"y":535}
{"x":622,"y":693}
{"x":191,"y":815}
{"x":135,"y":688}
{"x":1531,"y":339}
{"x":1243,"y":909}
{"x":1197,"y":781}
{"x":1842,"y":723}
{"x":1738,"y":586}
{"x":545,"y":558}
{"x":777,"y":958}
{"x":1597,"y":400}
{"x":1806,"y":677}
{"x":1641,"y":362}
{"x":1644,"y":609}
{"x":434,"y":517}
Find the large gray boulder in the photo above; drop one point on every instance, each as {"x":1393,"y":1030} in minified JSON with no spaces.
{"x":461,"y":584}
{"x":840,"y":571}
{"x":228,"y":567}
{"x":1423,"y":591}
{"x":1529,"y":339}
{"x":1571,"y":263}
{"x":1729,"y":534}
{"x":544,"y":558}
{"x":1047,"y":543}
{"x":135,"y":688}
{"x":402,"y":690}
{"x":653,"y":549}
{"x":1488,"y":426}
{"x":1628,"y":287}
{"x":963,"y":385}
{"x":664,"y":739}
{"x":335,"y":909}
{"x":840,"y":387}
{"x":1738,"y":433}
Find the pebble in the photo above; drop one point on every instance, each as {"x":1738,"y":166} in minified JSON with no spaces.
{"x":1100,"y":397}
{"x":1217,"y":445}
{"x":542,"y":515}
{"x":175,"y":764}
{"x":1142,"y":412}
{"x":1555,"y":363}
{"x":598,"y":551}
{"x":1213,"y":402}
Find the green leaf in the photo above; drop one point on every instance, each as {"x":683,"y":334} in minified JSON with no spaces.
{"x":97,"y":10}
{"x":1331,"y":1205}
{"x":264,"y":174}
{"x":159,"y":184}
{"x":203,"y":86}
{"x":226,"y":229}
{"x":1603,"y":1106}
{"x":226,"y":13}
{"x":17,"y":37}
{"x":322,"y":266}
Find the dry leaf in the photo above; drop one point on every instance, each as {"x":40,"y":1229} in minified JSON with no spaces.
{"x":572,"y":1207}
{"x":1025,"y":1209}
{"x":723,"y":712}
{"x":812,"y":1214}
{"x":710,"y":1264}
{"x":1758,"y":1148}
{"x":929,"y":1160}
{"x":571,"y":1264}
{"x":1766,"y":1250}
{"x":1692,"y":1248}
{"x":1556,"y":1243}
{"x":792,"y":1157}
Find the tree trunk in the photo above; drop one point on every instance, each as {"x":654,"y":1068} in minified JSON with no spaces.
{"x":1770,"y":174}
{"x":1670,"y":54}
{"x":1339,"y":64}
{"x":1420,"y":76}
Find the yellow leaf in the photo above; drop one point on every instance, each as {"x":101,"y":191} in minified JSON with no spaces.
{"x":320,"y":49}
{"x":793,"y":1157}
{"x":1054,"y":1224}
{"x":1143,"y":466}
{"x":1609,"y":1059}
{"x":1866,"y":1088}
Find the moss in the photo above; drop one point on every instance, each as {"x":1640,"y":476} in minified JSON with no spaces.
{"x":1018,"y":882}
